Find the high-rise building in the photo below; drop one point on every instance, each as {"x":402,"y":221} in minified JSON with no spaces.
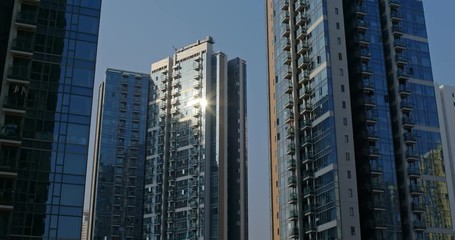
{"x":196,"y":164}
{"x":355,"y":145}
{"x":47,"y":66}
{"x":119,"y":156}
{"x":446,"y":111}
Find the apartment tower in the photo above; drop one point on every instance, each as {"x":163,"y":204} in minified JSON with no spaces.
{"x":119,"y":156}
{"x":355,"y":144}
{"x":47,"y":66}
{"x":196,"y":162}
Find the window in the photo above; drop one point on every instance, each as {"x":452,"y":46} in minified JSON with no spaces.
{"x":342,"y":87}
{"x":348,"y":156}
{"x":318,"y":59}
{"x":345,"y":121}
{"x":340,"y":56}
{"x":346,"y":138}
{"x":349,"y":174}
{"x":341,"y":72}
{"x":336,"y":11}
{"x":352,"y":231}
{"x":350,"y":192}
{"x":338,"y":25}
{"x":351,"y":211}
{"x":343,"y":104}
{"x":339,"y":40}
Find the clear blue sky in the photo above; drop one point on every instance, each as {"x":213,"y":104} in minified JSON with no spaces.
{"x":136,"y":33}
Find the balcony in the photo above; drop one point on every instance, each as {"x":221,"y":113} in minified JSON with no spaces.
{"x":284,"y":18}
{"x":285,"y":31}
{"x":303,"y":62}
{"x":397,"y":30}
{"x":301,"y":33}
{"x":417,"y":207}
{"x":376,"y":187}
{"x":287,"y":59}
{"x":293,"y":233}
{"x":196,"y":66}
{"x":307,"y":157}
{"x":368,"y":101}
{"x":306,"y":124}
{"x":360,"y":10}
{"x":361,"y":25}
{"x":308,"y":192}
{"x":300,"y":5}
{"x":406,"y":106}
{"x":367,"y":85}
{"x":370,"y":117}
{"x":408,"y":122}
{"x":286,"y":44}
{"x":306,"y":141}
{"x":310,"y":228}
{"x":164,"y":77}
{"x":302,"y":47}
{"x":289,"y":103}
{"x":306,"y":108}
{"x":287,"y":73}
{"x":288,"y":89}
{"x":362,"y":39}
{"x":290,"y":149}
{"x":399,"y":44}
{"x":22,"y":46}
{"x":307,"y":174}
{"x":402,"y":75}
{"x":372,"y":152}
{"x":6,"y":199}
{"x":292,"y":198}
{"x":285,"y":5}
{"x":411,"y":155}
{"x":292,"y":164}
{"x":403,"y":90}
{"x":409,"y":138}
{"x":15,"y":103}
{"x":289,"y":117}
{"x":18,"y":72}
{"x":305,"y":93}
{"x":366,"y":70}
{"x":175,"y":84}
{"x":8,"y":164}
{"x":413,"y":172}
{"x":365,"y":54}
{"x":301,"y":18}
{"x":401,"y":59}
{"x":293,"y":215}
{"x":419,"y":225}
{"x":304,"y":78}
{"x":377,"y":205}
{"x":374,"y":169}
{"x":10,"y":131}
{"x":309,"y":209}
{"x":292,"y":181}
{"x":395,"y":16}
{"x":415,"y":189}
{"x":290,"y":133}
{"x":377,"y":223}
{"x":393,"y":4}
{"x":26,"y":18}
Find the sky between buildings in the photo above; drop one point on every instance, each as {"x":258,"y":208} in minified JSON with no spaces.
{"x":133,"y":34}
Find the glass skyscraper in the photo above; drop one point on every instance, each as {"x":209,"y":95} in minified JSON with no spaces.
{"x":196,"y":165}
{"x":116,"y":211}
{"x":47,"y":58}
{"x":355,"y":141}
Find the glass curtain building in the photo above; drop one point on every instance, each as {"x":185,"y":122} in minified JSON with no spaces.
{"x":116,"y":211}
{"x":196,"y":147}
{"x":47,"y":55}
{"x":355,"y":145}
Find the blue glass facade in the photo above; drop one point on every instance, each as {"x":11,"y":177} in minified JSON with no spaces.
{"x":397,"y":188}
{"x":120,"y":154}
{"x":46,"y":93}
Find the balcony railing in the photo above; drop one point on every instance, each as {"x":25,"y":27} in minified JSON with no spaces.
{"x":19,"y":72}
{"x":28,"y":18}
{"x":22,"y":44}
{"x":14,"y":102}
{"x":6,"y":197}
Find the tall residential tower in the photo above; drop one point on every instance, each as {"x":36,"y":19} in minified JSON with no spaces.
{"x":355,"y":145}
{"x":196,"y":165}
{"x":119,"y":156}
{"x":47,"y":67}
